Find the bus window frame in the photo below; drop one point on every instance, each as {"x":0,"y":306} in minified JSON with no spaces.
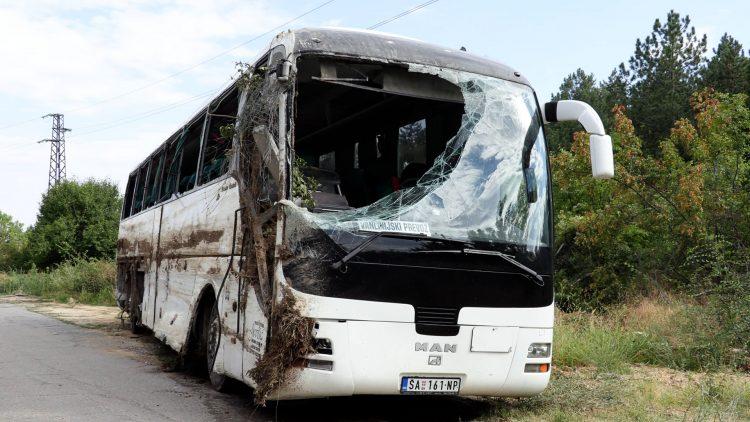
{"x":155,"y":158}
{"x":234,"y":90}
{"x":204,"y":113}
{"x":127,"y":205}
{"x":147,"y":166}
{"x":185,"y":131}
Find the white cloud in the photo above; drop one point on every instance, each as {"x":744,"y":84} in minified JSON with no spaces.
{"x":69,"y":56}
{"x":60,"y":56}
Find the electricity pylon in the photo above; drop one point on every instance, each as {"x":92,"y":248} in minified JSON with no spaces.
{"x":57,"y":149}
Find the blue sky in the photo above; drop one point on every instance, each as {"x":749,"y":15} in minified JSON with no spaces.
{"x":67,"y":56}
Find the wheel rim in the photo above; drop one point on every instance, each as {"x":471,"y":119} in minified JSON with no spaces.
{"x":214,"y":329}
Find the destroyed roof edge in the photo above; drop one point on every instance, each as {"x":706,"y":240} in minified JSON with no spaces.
{"x":380,"y":45}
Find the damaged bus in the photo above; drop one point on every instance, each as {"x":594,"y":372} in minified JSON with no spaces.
{"x":360,"y":213}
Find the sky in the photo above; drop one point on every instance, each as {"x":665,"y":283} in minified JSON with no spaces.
{"x":127,"y":74}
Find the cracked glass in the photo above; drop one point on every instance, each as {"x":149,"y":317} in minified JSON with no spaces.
{"x":476,"y":190}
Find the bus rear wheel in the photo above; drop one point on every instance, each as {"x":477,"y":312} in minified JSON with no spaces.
{"x":212,"y":330}
{"x":134,"y":315}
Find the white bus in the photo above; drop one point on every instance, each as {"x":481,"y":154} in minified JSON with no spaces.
{"x":400,"y":192}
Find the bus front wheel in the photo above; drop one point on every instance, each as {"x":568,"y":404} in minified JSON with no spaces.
{"x":212,"y":333}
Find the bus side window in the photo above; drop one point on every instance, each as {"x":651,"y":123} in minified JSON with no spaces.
{"x":139,"y":188}
{"x":171,"y":170}
{"x":217,"y":146}
{"x":191,"y":141}
{"x":128,"y":199}
{"x":157,"y":162}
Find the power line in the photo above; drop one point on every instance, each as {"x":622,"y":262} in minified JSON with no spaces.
{"x":146,"y":113}
{"x":187,"y":69}
{"x":18,"y":123}
{"x":169,"y":107}
{"x":125,"y":120}
{"x":402,"y":14}
{"x":210,"y":59}
{"x":142,"y":115}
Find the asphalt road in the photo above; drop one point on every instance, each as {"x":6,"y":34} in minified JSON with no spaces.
{"x":51,"y":370}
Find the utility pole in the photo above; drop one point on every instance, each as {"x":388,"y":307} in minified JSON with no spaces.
{"x":57,"y":149}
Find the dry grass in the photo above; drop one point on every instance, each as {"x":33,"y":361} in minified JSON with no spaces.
{"x":644,"y":393}
{"x":291,"y":341}
{"x":670,"y":332}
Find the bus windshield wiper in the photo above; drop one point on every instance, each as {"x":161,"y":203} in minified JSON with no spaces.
{"x":532,"y":275}
{"x":341,"y":263}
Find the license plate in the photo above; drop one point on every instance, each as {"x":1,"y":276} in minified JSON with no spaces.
{"x":429,"y":385}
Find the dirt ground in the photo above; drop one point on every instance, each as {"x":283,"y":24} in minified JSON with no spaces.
{"x":75,"y":313}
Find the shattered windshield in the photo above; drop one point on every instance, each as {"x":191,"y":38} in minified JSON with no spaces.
{"x":489,"y":184}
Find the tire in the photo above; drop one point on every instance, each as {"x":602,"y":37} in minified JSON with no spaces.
{"x":134,"y":315}
{"x":211,"y":335}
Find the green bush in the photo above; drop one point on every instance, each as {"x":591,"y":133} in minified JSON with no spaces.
{"x":91,"y":282}
{"x":75,"y":220}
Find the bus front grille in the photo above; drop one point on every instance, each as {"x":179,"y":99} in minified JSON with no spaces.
{"x":436,"y":321}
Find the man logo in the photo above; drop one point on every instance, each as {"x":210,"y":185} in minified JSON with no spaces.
{"x":435,"y":347}
{"x":435,"y":360}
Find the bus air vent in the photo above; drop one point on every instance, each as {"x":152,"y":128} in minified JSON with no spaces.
{"x":436,"y":321}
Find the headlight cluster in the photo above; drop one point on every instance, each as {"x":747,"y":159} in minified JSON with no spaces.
{"x":539,"y":350}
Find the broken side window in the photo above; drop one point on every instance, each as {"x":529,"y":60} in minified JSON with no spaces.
{"x":191,"y":141}
{"x":157,"y":162}
{"x":221,"y":122}
{"x":171,"y":169}
{"x":128,"y":198}
{"x":139,"y":188}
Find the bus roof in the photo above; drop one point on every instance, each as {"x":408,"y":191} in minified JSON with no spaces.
{"x":396,"y":48}
{"x":367,"y":44}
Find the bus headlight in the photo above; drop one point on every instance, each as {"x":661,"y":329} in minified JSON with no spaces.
{"x":539,"y":350}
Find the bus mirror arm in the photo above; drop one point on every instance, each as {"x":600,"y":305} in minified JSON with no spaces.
{"x":268,"y":150}
{"x":283,"y":70}
{"x":602,"y":157}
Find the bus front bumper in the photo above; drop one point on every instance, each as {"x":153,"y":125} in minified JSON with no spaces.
{"x":371,"y":357}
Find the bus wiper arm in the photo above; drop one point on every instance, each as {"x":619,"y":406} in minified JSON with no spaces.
{"x":533,"y":275}
{"x":341,"y":263}
{"x":357,"y":249}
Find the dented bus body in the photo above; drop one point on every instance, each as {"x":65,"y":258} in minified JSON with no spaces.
{"x":398,"y":191}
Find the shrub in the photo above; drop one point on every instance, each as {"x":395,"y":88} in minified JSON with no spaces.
{"x":76,"y":220}
{"x":90,"y":282}
{"x":675,"y":333}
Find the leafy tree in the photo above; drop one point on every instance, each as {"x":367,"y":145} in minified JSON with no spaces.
{"x":727,"y":71}
{"x":663,"y":72}
{"x":616,"y":90}
{"x":12,"y":242}
{"x":76,"y":220}
{"x":677,"y":221}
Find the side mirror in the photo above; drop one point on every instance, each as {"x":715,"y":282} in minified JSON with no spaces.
{"x":283,"y":68}
{"x":602,"y":157}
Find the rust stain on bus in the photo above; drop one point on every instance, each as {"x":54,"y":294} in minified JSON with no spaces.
{"x":138,"y":247}
{"x":193,"y":239}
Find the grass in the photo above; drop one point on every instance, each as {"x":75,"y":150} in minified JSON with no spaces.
{"x":653,"y":360}
{"x":645,"y":393}
{"x":90,"y":282}
{"x":673,"y":333}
